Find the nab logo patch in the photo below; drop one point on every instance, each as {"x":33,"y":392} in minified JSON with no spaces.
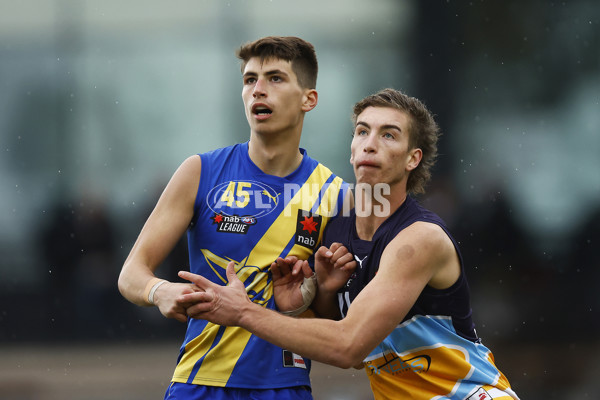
{"x":308,"y":227}
{"x":233,"y":223}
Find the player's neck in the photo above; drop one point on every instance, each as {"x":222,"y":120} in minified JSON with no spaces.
{"x":275,"y":155}
{"x":372,"y":209}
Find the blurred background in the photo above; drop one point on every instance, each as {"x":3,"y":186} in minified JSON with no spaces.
{"x":100,"y":101}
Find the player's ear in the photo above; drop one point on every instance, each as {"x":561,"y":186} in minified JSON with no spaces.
{"x":310,"y":100}
{"x":414,"y":158}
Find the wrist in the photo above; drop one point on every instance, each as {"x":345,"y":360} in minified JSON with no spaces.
{"x":324,"y":290}
{"x":247,"y":315}
{"x":151,"y":298}
{"x":309,"y":291}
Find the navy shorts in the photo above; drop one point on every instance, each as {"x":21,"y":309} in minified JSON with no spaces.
{"x":186,"y":391}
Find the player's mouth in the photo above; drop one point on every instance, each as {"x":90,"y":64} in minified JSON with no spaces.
{"x":261,"y":111}
{"x":368,"y":164}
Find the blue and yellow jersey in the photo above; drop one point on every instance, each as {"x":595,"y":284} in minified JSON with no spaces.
{"x":246,"y":216}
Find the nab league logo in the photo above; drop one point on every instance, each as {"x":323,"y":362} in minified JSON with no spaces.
{"x":249,"y":198}
{"x":308,"y":227}
{"x":233,"y":223}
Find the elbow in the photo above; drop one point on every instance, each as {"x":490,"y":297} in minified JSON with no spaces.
{"x":349,"y":360}
{"x":122,"y":285}
{"x":348,"y":355}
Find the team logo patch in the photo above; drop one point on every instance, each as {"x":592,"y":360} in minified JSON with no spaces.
{"x":308,"y":227}
{"x":293,"y":360}
{"x":480,"y":394}
{"x":250,"y":198}
{"x":395,"y":365}
{"x":233,"y":223}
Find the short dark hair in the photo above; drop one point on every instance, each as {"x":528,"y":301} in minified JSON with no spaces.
{"x":423,"y":131}
{"x":289,"y":48}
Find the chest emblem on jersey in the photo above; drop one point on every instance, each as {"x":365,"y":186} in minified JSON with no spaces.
{"x":250,"y":198}
{"x":392,"y":364}
{"x":233,"y":223}
{"x":259,"y":285}
{"x":308,"y":227}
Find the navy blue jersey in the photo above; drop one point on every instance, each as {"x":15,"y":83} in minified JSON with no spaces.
{"x":453,"y":301}
{"x":434,"y":352}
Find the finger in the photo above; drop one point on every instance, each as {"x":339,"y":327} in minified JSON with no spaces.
{"x":349,"y":267}
{"x":291,"y":260}
{"x":195,"y":297}
{"x":284,"y":266}
{"x":181,"y":300}
{"x":338,"y":253}
{"x":275,"y":271}
{"x":334,"y":246}
{"x":200,"y":281}
{"x":177,"y":313}
{"x":341,"y":261}
{"x":199,"y":308}
{"x":181,"y":317}
{"x":191,"y":288}
{"x":323,"y":253}
{"x":298,"y":267}
{"x":307,"y":270}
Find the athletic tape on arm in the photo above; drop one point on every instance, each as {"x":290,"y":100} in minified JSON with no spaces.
{"x":309,"y":291}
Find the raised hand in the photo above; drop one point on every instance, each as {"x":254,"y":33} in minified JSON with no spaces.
{"x":333,"y":266}
{"x":288,"y":276}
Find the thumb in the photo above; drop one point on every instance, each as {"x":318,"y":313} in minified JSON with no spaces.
{"x":232,"y":277}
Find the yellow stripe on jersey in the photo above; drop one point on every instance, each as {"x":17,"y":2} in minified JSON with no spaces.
{"x":283,"y":228}
{"x":228,"y":350}
{"x":231,"y":345}
{"x":201,"y":344}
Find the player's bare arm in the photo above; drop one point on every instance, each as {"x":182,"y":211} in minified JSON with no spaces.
{"x":165,"y":226}
{"x":416,"y":256}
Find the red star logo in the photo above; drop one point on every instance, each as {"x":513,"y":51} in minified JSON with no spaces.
{"x":217,"y":218}
{"x":309,"y":225}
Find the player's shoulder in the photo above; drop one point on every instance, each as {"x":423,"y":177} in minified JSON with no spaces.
{"x":189,"y":170}
{"x":429,"y":237}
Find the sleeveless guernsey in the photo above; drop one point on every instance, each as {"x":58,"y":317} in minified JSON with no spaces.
{"x":434,"y":352}
{"x":246,"y":216}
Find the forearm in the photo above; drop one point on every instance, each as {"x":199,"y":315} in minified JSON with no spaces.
{"x":321,"y":340}
{"x":135,"y":283}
